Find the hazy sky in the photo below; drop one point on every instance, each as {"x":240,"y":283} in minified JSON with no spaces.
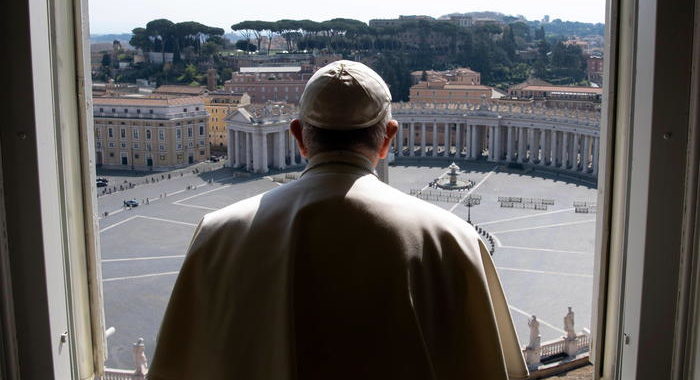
{"x":120,"y":16}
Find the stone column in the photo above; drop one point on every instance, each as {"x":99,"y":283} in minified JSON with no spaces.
{"x":447,"y":140}
{"x":492,"y":143}
{"x":574,"y":155}
{"x":458,"y":140}
{"x":543,"y":149}
{"x":422,"y":139}
{"x":411,"y":139}
{"x":586,"y":152}
{"x":280,"y":150}
{"x":555,"y":149}
{"x":263,"y":153}
{"x":232,"y":148}
{"x":509,"y":144}
{"x":565,"y":150}
{"x":532,"y":151}
{"x":596,"y":154}
{"x":548,"y":147}
{"x":472,"y":141}
{"x":521,"y":144}
{"x":497,"y":148}
{"x":248,"y":153}
{"x":399,"y":140}
{"x":468,"y":145}
{"x":435,"y":139}
{"x":256,"y":152}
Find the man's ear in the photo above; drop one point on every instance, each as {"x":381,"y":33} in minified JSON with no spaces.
{"x":391,"y":128}
{"x":295,"y":127}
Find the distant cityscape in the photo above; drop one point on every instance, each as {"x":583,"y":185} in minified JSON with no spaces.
{"x":165,"y":98}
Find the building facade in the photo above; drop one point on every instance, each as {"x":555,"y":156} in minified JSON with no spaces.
{"x":276,"y":84}
{"x":568,"y":97}
{"x":180,"y":90}
{"x":525,"y":134}
{"x":259,"y":138}
{"x":219,"y":104}
{"x":566,"y":140}
{"x":456,"y":86}
{"x":594,"y":69}
{"x":441,"y":91}
{"x":460,"y":75}
{"x":150,"y":133}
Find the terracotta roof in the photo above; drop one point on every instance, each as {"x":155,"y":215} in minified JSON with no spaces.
{"x":179,"y":89}
{"x":151,"y":101}
{"x":466,"y":87}
{"x":531,"y":82}
{"x":569,"y":89}
{"x":271,"y":69}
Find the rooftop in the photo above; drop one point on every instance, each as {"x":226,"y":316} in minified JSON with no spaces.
{"x":164,"y":101}
{"x":180,"y":89}
{"x":567,"y":89}
{"x":270,"y":69}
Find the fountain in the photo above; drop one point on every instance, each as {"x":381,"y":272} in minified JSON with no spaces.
{"x":452,"y":182}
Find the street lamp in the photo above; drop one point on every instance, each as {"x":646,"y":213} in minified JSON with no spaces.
{"x":471,"y":201}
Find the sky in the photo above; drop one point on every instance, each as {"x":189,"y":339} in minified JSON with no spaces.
{"x":121,"y":16}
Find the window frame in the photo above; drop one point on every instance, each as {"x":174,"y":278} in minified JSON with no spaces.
{"x":68,"y":255}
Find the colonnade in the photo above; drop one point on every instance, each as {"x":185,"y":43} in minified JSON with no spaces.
{"x":545,"y":145}
{"x":258,"y":149}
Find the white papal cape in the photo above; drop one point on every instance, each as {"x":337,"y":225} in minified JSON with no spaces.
{"x":337,"y":276}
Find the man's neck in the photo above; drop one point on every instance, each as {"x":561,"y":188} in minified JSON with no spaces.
{"x":373,"y":157}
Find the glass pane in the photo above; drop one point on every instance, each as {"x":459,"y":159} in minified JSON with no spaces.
{"x":511,"y":96}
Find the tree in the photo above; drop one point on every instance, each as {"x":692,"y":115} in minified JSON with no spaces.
{"x":539,"y":33}
{"x":190,"y":75}
{"x":250,"y":28}
{"x":210,"y":49}
{"x":245,"y":45}
{"x":141,"y":39}
{"x":162,"y":30}
{"x":106,"y":60}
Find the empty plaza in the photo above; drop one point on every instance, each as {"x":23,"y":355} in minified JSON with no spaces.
{"x":544,"y":256}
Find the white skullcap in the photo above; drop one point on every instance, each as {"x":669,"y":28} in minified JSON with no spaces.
{"x":344,"y":95}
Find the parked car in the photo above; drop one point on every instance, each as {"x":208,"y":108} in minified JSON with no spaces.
{"x":131,"y":203}
{"x":101,"y":183}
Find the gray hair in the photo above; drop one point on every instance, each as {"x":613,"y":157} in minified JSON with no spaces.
{"x":318,"y":140}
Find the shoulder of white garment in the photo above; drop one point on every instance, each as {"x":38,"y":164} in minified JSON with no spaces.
{"x":405,"y":212}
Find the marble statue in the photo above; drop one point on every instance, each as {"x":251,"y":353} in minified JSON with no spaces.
{"x":569,"y":325}
{"x":534,"y":325}
{"x":139,"y":354}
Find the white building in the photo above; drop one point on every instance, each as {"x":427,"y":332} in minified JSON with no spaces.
{"x":259,"y":138}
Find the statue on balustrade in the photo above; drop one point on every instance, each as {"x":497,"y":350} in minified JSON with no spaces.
{"x":569,"y":325}
{"x":534,"y":325}
{"x":139,"y":355}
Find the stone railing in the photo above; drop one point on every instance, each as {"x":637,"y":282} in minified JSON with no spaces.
{"x":121,"y":374}
{"x":460,"y":109}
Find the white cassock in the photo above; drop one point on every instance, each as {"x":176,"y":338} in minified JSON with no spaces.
{"x":337,"y":276}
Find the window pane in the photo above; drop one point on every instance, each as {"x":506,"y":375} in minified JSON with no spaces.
{"x":514,"y":101}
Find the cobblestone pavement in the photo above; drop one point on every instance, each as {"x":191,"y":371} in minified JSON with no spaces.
{"x":544,"y":257}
